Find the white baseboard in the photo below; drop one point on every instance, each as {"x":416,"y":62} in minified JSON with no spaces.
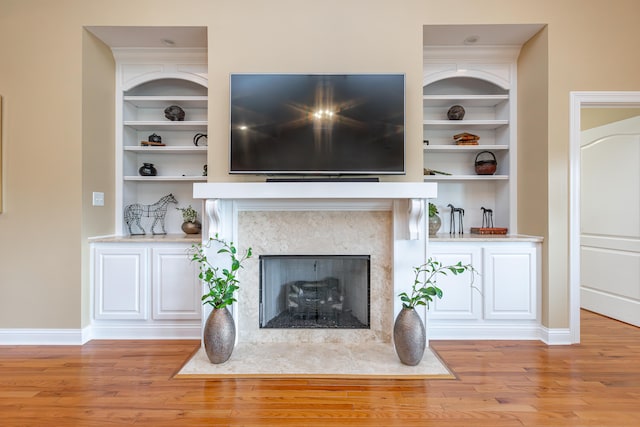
{"x":558,"y":336}
{"x":81,"y":336}
{"x":617,"y":307}
{"x":42,"y":336}
{"x":146,"y":332}
{"x":452,"y":331}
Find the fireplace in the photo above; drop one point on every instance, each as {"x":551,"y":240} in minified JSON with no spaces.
{"x":384,"y":220}
{"x":314,"y":291}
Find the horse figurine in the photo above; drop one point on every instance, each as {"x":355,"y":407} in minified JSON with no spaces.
{"x":133,"y":213}
{"x":487,"y":218}
{"x":452,"y":225}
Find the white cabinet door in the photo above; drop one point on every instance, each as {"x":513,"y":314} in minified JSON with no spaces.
{"x":120,"y":282}
{"x":461,"y":298}
{"x":176,"y":287}
{"x":510,"y":283}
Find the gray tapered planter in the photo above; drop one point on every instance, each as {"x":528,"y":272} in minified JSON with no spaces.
{"x":409,"y":336}
{"x":219,"y":335}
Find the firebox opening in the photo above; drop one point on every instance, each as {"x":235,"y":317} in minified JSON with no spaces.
{"x":315,"y":291}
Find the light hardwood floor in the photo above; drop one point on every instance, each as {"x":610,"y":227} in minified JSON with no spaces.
{"x":500,"y":383}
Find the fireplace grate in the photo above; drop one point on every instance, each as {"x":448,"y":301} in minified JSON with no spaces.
{"x":314,"y":291}
{"x":290,"y":320}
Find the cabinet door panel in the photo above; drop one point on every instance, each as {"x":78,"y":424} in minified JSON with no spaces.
{"x":176,"y":287}
{"x":120,"y":283}
{"x":460,"y":300}
{"x":510,"y":283}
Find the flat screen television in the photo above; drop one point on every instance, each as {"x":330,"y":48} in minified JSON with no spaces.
{"x":317,"y":124}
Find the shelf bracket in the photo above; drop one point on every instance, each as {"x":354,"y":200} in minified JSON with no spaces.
{"x":415,"y":214}
{"x":212,"y":208}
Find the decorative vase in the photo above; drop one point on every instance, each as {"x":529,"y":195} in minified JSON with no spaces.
{"x":409,"y":336}
{"x":219,"y":335}
{"x":154,"y":138}
{"x":191,"y":227}
{"x":434,"y":224}
{"x":147,"y":169}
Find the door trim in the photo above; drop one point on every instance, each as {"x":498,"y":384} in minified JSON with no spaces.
{"x":579,"y":100}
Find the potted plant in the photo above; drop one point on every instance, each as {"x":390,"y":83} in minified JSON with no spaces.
{"x":434,"y":220}
{"x":219,"y":330}
{"x":191,"y":225}
{"x":409,"y":335}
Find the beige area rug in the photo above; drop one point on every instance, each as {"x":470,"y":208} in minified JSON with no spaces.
{"x":325,"y":360}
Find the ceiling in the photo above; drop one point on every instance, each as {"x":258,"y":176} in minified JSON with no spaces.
{"x":484,"y":35}
{"x":179,"y":37}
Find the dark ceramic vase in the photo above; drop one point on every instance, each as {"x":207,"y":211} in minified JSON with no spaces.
{"x":409,"y":337}
{"x":147,"y":169}
{"x":219,"y":335}
{"x":154,"y":138}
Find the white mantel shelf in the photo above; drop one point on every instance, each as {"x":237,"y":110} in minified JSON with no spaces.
{"x":315,"y":190}
{"x":318,"y":195}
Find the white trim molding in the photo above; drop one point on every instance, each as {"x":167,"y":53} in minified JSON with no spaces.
{"x":43,"y":336}
{"x":146,"y":332}
{"x":103,"y":332}
{"x":579,"y":100}
{"x":510,"y":332}
{"x":555,"y":336}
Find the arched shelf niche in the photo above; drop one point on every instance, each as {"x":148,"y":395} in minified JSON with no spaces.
{"x":184,"y":84}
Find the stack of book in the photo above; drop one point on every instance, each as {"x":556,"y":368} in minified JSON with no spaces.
{"x":466,"y":138}
{"x":151,"y":143}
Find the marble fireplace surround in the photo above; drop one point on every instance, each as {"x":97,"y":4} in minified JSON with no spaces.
{"x":384,"y":220}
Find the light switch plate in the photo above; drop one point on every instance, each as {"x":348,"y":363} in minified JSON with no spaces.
{"x":98,"y":198}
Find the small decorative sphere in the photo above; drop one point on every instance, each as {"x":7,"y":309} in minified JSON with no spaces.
{"x":456,"y":112}
{"x":174,"y":113}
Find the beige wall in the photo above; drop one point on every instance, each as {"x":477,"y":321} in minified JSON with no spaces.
{"x":533,"y":135}
{"x":594,"y":117}
{"x":49,"y":88}
{"x":98,"y":153}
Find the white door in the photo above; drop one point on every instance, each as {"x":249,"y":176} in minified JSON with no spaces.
{"x":610,"y":220}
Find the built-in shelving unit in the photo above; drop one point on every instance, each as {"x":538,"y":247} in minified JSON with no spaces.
{"x":145,"y":286}
{"x":483,"y":83}
{"x":148,"y":81}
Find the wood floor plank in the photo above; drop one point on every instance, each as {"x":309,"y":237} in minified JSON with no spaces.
{"x":499,"y":383}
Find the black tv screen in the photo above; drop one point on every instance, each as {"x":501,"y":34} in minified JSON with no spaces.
{"x":317,"y":124}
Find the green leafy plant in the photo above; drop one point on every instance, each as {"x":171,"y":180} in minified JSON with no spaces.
{"x":222,"y":283}
{"x":433,"y":210}
{"x":424,"y":288}
{"x":189,"y":214}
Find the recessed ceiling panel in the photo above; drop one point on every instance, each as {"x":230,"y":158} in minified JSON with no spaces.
{"x":481,"y":35}
{"x":127,"y":36}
